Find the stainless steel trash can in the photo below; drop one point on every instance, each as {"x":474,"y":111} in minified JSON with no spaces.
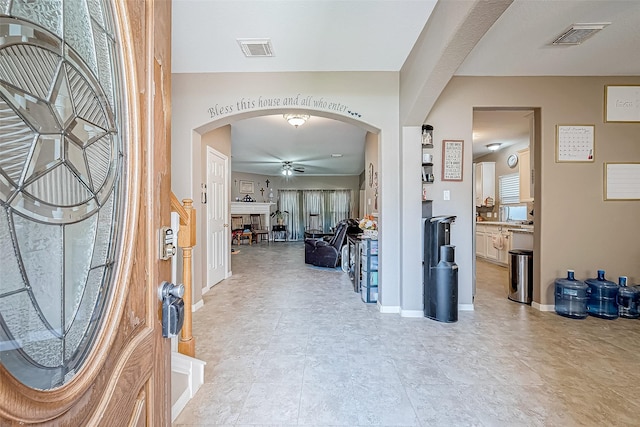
{"x":521,"y":275}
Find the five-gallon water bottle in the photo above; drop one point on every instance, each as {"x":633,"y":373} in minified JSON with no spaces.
{"x":628,"y":299}
{"x":603,"y":297}
{"x":571,"y":296}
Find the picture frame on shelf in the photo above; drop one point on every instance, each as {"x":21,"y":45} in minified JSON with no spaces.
{"x":246,"y":187}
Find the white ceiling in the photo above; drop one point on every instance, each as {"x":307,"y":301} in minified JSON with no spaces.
{"x":377,"y":35}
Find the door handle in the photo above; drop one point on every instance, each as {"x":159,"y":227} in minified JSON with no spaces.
{"x":172,"y":308}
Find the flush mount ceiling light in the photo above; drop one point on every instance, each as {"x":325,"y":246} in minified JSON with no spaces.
{"x":296,"y":119}
{"x":494,"y":146}
{"x":577,"y":33}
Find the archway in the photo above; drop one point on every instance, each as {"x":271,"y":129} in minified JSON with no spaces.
{"x":217,"y":134}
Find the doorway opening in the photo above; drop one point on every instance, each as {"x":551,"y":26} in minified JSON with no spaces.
{"x":503,"y":147}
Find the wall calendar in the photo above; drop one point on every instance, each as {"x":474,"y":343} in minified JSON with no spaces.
{"x":575,"y":143}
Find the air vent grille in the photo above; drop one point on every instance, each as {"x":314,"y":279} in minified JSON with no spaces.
{"x":578,"y":33}
{"x":256,"y":47}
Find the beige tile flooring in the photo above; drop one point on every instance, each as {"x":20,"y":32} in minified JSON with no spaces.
{"x":289,"y":344}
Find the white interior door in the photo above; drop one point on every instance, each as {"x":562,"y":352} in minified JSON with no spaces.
{"x":217,"y":235}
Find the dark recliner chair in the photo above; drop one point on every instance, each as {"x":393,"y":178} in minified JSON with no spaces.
{"x":326,"y":253}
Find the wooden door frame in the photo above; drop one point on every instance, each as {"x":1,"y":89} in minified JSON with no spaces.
{"x":121,"y":378}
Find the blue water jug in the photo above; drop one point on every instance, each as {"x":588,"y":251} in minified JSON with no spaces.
{"x":603,"y":297}
{"x":628,"y":299}
{"x":571,"y":296}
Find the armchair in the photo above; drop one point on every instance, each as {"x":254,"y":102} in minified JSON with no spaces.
{"x":326,"y":253}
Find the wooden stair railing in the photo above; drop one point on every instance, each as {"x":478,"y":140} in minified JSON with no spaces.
{"x":186,"y":242}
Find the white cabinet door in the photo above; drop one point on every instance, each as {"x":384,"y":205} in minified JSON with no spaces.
{"x":492,"y":252}
{"x":485,"y":184}
{"x":481,"y":244}
{"x":525,"y":175}
{"x":503,"y":254}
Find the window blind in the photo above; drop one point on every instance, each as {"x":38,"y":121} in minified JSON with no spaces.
{"x":509,"y":188}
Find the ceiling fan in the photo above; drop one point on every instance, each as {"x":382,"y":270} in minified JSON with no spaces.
{"x":288,"y":168}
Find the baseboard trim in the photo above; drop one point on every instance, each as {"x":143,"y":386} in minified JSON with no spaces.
{"x":411,"y":313}
{"x":388,"y":309}
{"x":205,"y":290}
{"x":194,"y":370}
{"x":543,"y":307}
{"x":465,"y":307}
{"x":197,"y":306}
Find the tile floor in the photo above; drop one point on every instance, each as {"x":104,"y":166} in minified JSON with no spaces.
{"x":289,"y":344}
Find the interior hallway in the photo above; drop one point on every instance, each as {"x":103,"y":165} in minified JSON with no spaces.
{"x":289,"y":344}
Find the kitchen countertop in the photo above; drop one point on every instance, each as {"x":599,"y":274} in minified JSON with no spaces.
{"x":508,"y":223}
{"x":521,"y":230}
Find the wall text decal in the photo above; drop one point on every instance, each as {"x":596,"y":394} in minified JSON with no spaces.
{"x":266,"y":102}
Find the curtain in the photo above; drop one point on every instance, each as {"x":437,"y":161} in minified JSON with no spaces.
{"x":312,"y":203}
{"x":331,"y":205}
{"x":338,"y":207}
{"x":290,"y":202}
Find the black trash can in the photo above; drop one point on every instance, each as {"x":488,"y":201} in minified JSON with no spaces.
{"x":521,"y":275}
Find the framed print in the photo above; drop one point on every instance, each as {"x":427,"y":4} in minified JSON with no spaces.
{"x":452,"y":157}
{"x":622,"y":181}
{"x":622,"y":103}
{"x":246,"y":187}
{"x":575,"y":143}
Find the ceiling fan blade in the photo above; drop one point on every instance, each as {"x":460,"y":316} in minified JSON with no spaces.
{"x":298,"y":169}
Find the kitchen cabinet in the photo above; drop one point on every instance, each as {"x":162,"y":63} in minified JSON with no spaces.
{"x":526,"y":194}
{"x":484,"y":243}
{"x":481,"y":244}
{"x":485,"y":184}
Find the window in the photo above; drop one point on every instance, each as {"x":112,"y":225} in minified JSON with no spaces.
{"x":509,"y":188}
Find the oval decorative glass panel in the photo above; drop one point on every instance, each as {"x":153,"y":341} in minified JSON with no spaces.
{"x":61,"y":163}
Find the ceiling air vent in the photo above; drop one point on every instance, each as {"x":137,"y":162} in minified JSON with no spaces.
{"x":578,"y":33}
{"x":256,"y":47}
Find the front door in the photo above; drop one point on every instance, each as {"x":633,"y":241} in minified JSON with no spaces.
{"x":84,"y":188}
{"x":217,"y":231}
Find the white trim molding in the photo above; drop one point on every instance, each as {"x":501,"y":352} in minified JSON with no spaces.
{"x":543,"y":307}
{"x":411,"y":313}
{"x":388,"y":309}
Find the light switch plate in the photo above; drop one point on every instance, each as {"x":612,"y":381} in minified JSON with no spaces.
{"x":447,"y":195}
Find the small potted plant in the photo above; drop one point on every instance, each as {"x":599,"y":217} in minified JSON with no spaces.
{"x":279,"y":216}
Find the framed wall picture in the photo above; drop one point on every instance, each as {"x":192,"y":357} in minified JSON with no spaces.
{"x":622,"y":181}
{"x":622,"y":103}
{"x":246,"y":187}
{"x":452,"y":158}
{"x":575,"y":143}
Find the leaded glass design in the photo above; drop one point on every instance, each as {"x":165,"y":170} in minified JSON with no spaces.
{"x":61,"y":167}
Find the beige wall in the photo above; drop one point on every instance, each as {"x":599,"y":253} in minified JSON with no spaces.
{"x":575,"y":228}
{"x":220,"y":140}
{"x":202,"y":102}
{"x":297,"y":182}
{"x":370,"y":158}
